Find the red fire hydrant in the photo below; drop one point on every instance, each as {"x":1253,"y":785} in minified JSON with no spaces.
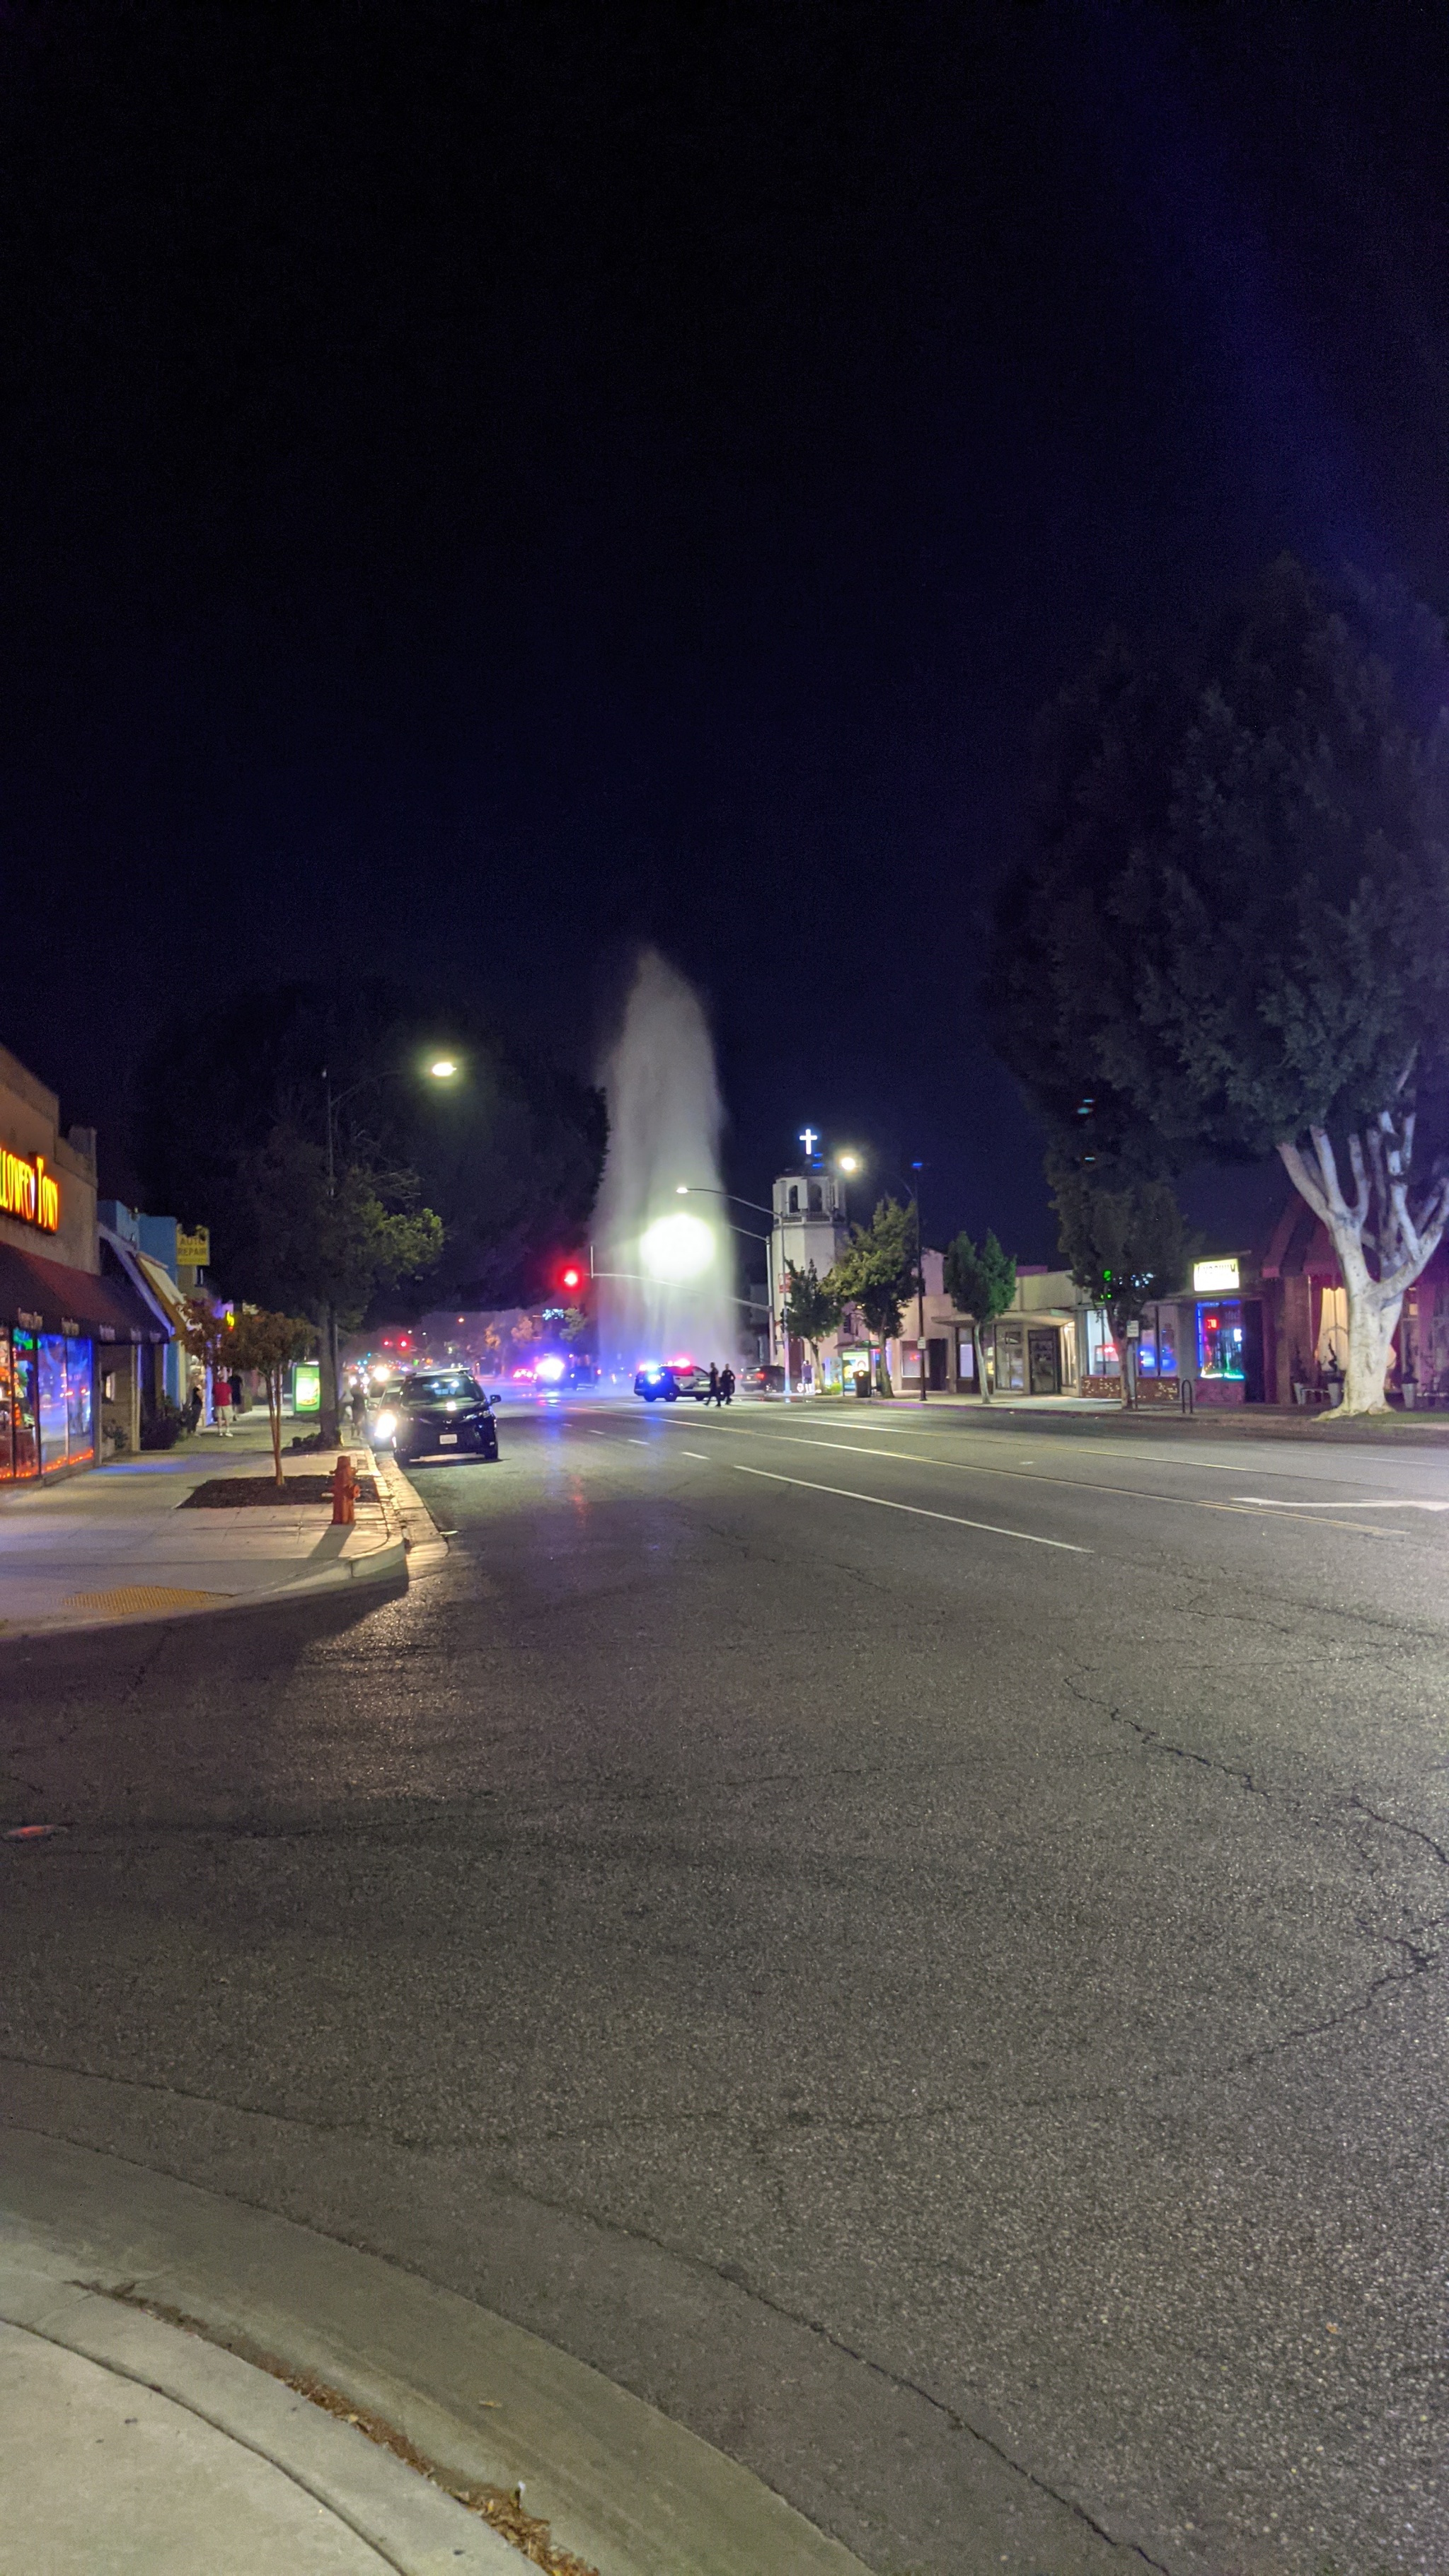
{"x":344,"y":1490}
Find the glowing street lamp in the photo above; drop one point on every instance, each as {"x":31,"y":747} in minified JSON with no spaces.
{"x":442,"y":1068}
{"x":676,"y":1248}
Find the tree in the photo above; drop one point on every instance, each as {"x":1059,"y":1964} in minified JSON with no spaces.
{"x":270,"y":1344}
{"x":982,"y":1285}
{"x":1232,"y":935}
{"x":875,"y":1272}
{"x":252,"y":1340}
{"x":508,"y":1156}
{"x":812,"y":1309}
{"x":1125,"y":1248}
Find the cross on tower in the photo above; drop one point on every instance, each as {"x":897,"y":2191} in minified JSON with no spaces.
{"x":809,"y":1139}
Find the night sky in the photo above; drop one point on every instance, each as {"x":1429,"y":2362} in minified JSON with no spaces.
{"x":486,"y":484}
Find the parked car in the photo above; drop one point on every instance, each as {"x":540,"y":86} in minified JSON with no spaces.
{"x":436,"y":1413}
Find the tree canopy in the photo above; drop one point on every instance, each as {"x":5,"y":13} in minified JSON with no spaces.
{"x":876,"y":1271}
{"x":980,"y":1283}
{"x":231,"y":1130}
{"x":1234,"y":924}
{"x":1125,"y":1247}
{"x":1232,"y":934}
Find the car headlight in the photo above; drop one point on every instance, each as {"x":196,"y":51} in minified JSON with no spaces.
{"x":386,"y":1425}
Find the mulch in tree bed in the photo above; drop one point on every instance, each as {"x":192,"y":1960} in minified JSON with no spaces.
{"x":228,"y":1493}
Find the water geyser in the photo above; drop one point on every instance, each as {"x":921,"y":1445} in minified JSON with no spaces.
{"x":665,"y":1271}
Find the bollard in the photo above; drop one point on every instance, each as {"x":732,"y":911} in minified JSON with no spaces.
{"x":344,"y":1491}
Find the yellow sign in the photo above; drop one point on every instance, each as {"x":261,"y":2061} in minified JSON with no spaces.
{"x":194,"y":1248}
{"x":1214,"y":1278}
{"x":29,"y":1191}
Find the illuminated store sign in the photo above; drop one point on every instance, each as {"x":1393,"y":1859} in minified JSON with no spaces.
{"x":1214,"y":1278}
{"x":29,"y":1191}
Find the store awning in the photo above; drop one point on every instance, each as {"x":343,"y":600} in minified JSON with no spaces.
{"x":49,"y":1297}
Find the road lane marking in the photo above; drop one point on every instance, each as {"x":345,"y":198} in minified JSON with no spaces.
{"x":1082,"y":1484}
{"x":635,"y":1441}
{"x":917,"y":1510}
{"x":702,"y":1455}
{"x":1365,"y":1503}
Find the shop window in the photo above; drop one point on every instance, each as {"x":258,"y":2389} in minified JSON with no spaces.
{"x":24,"y":1404}
{"x":1157,"y":1349}
{"x":52,"y":1400}
{"x":80,"y":1439}
{"x":1101,"y":1349}
{"x":7,"y":1439}
{"x":1221,"y":1340}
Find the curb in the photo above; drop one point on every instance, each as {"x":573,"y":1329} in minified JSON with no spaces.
{"x":412,"y":2525}
{"x":627,"y":2489}
{"x":426,"y":1547}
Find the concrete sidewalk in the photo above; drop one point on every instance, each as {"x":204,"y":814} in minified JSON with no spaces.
{"x":116,"y":1544}
{"x":184,"y":2383}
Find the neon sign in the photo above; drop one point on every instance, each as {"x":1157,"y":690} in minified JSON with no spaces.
{"x":29,"y":1191}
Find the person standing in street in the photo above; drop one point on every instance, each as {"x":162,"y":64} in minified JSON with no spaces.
{"x":221,"y":1404}
{"x":713,"y":1383}
{"x":726,"y":1385}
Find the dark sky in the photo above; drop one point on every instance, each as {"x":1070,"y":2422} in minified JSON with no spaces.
{"x":484,"y":484}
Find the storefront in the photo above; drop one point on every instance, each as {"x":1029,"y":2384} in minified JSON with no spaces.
{"x":65,"y":1327}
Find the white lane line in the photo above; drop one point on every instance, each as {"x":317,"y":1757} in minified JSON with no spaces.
{"x":917,"y":1510}
{"x":701,"y":1454}
{"x":634,"y":1440}
{"x":1084,"y":1485}
{"x":1355,"y":1503}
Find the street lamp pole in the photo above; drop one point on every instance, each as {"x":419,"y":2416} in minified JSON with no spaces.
{"x":442,"y":1069}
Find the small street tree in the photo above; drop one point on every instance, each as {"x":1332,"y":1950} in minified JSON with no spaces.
{"x":811,"y":1309}
{"x":1232,"y":938}
{"x":251,"y":1339}
{"x":269,"y":1344}
{"x":982,"y":1285}
{"x":1125,"y":1248}
{"x":875,"y":1273}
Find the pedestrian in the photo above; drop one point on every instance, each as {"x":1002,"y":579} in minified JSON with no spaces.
{"x":194,"y":1407}
{"x":726,"y":1384}
{"x":221,"y":1404}
{"x":234,"y":1381}
{"x":713,"y":1396}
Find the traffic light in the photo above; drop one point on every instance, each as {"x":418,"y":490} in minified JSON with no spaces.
{"x":571,"y":1275}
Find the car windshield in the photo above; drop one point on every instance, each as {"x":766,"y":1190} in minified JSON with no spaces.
{"x":435,"y":1390}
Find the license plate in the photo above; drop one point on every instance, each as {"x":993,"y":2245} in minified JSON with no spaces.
{"x":447,"y":1440}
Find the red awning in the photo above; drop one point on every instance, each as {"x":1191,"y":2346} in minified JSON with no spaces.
{"x":50,"y":1297}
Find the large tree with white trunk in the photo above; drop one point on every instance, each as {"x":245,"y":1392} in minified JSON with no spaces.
{"x":1231,"y":935}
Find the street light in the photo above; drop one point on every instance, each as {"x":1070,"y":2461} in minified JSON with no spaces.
{"x":675,"y":1248}
{"x":442,"y":1069}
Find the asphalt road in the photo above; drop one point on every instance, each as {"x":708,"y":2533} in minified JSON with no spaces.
{"x":916,"y":1947}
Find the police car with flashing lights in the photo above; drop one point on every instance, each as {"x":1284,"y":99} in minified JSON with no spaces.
{"x":670,"y":1379}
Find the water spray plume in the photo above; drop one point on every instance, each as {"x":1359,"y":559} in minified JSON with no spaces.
{"x":666,"y":1274}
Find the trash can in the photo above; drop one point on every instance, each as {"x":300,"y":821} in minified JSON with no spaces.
{"x":862,"y":1381}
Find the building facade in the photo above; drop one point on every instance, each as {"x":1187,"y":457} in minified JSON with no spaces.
{"x":74,"y":1330}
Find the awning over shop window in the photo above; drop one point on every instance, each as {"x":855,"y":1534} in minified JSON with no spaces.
{"x":50,"y":1297}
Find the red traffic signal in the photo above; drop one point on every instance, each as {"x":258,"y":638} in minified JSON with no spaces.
{"x":571,"y":1275}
